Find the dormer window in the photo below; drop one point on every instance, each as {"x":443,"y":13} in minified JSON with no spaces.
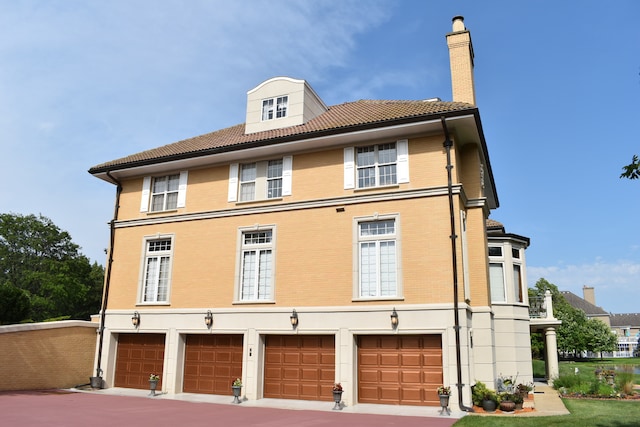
{"x":280,"y":103}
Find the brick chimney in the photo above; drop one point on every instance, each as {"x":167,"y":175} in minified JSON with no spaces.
{"x":589,"y":294}
{"x":461,"y":62}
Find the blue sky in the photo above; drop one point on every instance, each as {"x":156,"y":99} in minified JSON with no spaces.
{"x":557,"y":85}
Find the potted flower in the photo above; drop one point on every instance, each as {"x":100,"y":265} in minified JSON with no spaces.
{"x":518,"y":400}
{"x":507,"y":403}
{"x":337,"y":396}
{"x":443,"y":393}
{"x":489,"y":401}
{"x":153,"y":383}
{"x":524,"y":389}
{"x":236,"y":386}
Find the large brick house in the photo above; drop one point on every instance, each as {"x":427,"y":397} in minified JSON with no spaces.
{"x":315,"y":244}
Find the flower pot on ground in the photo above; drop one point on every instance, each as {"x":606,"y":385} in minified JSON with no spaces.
{"x":153,"y":384}
{"x":524,"y":389}
{"x":236,"y":387}
{"x":337,"y":397}
{"x":490,"y":401}
{"x":507,"y":403}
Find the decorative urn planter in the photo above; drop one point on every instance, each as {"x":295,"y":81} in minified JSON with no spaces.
{"x":236,"y":387}
{"x":444,"y":393}
{"x":489,"y":405}
{"x":337,"y":397}
{"x":507,"y":406}
{"x":153,"y":384}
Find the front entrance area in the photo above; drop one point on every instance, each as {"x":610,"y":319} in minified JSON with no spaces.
{"x":399,"y":369}
{"x":211,"y":363}
{"x":299,"y":367}
{"x":138,"y":356}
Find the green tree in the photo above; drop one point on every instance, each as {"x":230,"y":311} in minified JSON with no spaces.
{"x":632,"y":170}
{"x":14,"y":304}
{"x":599,"y":337}
{"x":41,"y":260}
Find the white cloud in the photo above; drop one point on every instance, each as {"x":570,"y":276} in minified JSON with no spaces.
{"x":616,"y":283}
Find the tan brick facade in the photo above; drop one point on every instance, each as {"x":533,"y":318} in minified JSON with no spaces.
{"x":46,"y":355}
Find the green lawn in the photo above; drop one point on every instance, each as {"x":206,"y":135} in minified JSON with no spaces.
{"x":584,"y":413}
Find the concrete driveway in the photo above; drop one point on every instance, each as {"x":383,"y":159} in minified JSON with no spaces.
{"x":63,"y":408}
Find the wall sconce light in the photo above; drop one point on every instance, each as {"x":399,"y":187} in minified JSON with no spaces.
{"x":135,"y":320}
{"x":208,"y":319}
{"x":394,"y":318}
{"x":294,"y":318}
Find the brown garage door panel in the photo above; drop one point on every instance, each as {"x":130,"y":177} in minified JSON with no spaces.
{"x":139,"y":355}
{"x":299,"y":367}
{"x":399,"y":370}
{"x":211,"y":363}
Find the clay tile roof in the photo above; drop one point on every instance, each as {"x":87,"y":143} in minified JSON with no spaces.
{"x":492,"y":223}
{"x":342,"y":117}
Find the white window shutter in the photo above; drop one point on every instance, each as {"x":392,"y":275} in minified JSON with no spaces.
{"x":402,"y":146}
{"x":146,"y":191}
{"x":233,"y":183}
{"x":349,"y":168}
{"x":287,"y":166}
{"x":182,"y":189}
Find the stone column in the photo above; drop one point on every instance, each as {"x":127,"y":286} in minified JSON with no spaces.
{"x":551,"y":345}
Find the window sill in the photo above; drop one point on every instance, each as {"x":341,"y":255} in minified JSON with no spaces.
{"x":366,"y":299}
{"x":258,"y":301}
{"x":248,"y":202}
{"x":163,"y":303}
{"x":162,"y":212}
{"x":379,"y":187}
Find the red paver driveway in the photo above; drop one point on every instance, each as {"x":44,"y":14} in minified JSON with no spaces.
{"x":58,"y":408}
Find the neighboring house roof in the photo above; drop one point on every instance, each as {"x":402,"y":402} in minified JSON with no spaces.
{"x":621,"y":320}
{"x":492,"y":224}
{"x":580,"y":303}
{"x":496,"y":229}
{"x":347,"y":117}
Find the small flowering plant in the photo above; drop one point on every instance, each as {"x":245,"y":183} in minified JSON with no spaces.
{"x":444,"y":390}
{"x":337,"y":387}
{"x":154,"y":377}
{"x":237,"y":382}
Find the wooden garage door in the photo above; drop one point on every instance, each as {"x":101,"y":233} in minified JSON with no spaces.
{"x":211,"y":363}
{"x":299,"y":367}
{"x":138,"y":356}
{"x":399,"y":369}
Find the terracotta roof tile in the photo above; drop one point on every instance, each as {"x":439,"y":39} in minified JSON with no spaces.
{"x":342,"y":116}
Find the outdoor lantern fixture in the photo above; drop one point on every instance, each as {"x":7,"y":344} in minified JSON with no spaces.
{"x":135,"y":320}
{"x":394,"y":318}
{"x":294,"y":318}
{"x":208,"y":319}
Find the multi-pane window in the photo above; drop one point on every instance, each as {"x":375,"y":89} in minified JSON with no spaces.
{"x":274,"y":108}
{"x":377,"y":258}
{"x":248,"y":175}
{"x":157,"y":270}
{"x":164,"y":192}
{"x":261,"y":180}
{"x":376,"y":165}
{"x":274,"y":179}
{"x":256,"y":271}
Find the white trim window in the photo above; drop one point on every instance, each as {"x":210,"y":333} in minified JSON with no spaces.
{"x":275,"y":108}
{"x":263,"y":180}
{"x":376,"y":165}
{"x":164,"y":193}
{"x":157,"y":270}
{"x":377,"y":258}
{"x":256,"y":265}
{"x":497,"y":280}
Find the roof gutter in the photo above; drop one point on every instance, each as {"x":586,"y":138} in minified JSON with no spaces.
{"x":454,"y":260}
{"x":97,"y":381}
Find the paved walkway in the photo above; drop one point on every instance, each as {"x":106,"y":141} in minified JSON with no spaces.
{"x":121,"y":407}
